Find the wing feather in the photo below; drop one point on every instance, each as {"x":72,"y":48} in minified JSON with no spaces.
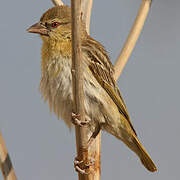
{"x":102,"y":69}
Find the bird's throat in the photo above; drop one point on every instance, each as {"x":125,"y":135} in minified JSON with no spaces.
{"x":52,"y":49}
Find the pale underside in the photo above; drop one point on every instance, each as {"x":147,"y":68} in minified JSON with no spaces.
{"x":56,"y":88}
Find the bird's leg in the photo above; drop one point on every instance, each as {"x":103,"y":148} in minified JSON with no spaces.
{"x":75,"y":120}
{"x":94,"y":135}
{"x":82,"y":167}
{"x":77,"y":167}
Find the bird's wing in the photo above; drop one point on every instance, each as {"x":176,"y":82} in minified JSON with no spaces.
{"x":103,"y":70}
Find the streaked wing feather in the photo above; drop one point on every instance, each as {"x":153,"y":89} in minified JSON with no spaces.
{"x":102,"y":70}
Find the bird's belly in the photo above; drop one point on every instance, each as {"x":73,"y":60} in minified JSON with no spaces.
{"x":57,"y":90}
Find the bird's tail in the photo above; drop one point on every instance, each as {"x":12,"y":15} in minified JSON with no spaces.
{"x":138,"y":148}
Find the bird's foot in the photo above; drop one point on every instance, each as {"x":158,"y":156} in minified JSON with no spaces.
{"x":82,"y":167}
{"x":77,"y":122}
{"x":94,"y":135}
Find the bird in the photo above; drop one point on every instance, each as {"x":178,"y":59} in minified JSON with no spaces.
{"x":104,"y":106}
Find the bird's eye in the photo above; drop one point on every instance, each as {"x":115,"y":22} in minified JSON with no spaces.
{"x":55,"y":24}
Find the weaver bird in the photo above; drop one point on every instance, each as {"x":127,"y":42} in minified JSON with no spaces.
{"x":103,"y":102}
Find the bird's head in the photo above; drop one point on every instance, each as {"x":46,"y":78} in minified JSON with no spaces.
{"x":55,"y":24}
{"x":54,"y":28}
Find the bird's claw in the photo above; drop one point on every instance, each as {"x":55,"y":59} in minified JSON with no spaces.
{"x":81,"y":167}
{"x":76,"y":121}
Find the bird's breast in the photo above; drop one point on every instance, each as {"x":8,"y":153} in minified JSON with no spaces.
{"x":56,"y":88}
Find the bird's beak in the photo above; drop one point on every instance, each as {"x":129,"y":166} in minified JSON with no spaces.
{"x":38,"y":28}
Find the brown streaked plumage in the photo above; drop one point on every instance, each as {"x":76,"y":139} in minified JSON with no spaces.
{"x":103,"y":102}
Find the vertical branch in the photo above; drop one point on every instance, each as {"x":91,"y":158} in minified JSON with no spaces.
{"x":5,"y":162}
{"x":132,"y":38}
{"x":86,"y":8}
{"x":78,"y":93}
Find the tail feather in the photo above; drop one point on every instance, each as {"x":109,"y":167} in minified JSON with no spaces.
{"x":143,"y":155}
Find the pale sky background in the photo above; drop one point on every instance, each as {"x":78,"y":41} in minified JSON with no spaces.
{"x":41,"y":147}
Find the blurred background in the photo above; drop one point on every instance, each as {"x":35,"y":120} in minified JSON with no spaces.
{"x":42,"y":147}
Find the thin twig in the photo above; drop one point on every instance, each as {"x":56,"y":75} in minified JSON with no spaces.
{"x":5,"y":162}
{"x":132,"y":38}
{"x":86,"y":8}
{"x":57,"y":2}
{"x":78,"y":93}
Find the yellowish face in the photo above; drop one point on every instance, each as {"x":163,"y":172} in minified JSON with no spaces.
{"x":54,"y":28}
{"x":55,"y":24}
{"x":58,"y":29}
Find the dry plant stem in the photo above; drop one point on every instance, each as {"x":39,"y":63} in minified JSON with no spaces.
{"x":95,"y":152}
{"x":86,"y":8}
{"x":132,"y":38}
{"x":57,"y":2}
{"x":78,"y":93}
{"x":5,"y":162}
